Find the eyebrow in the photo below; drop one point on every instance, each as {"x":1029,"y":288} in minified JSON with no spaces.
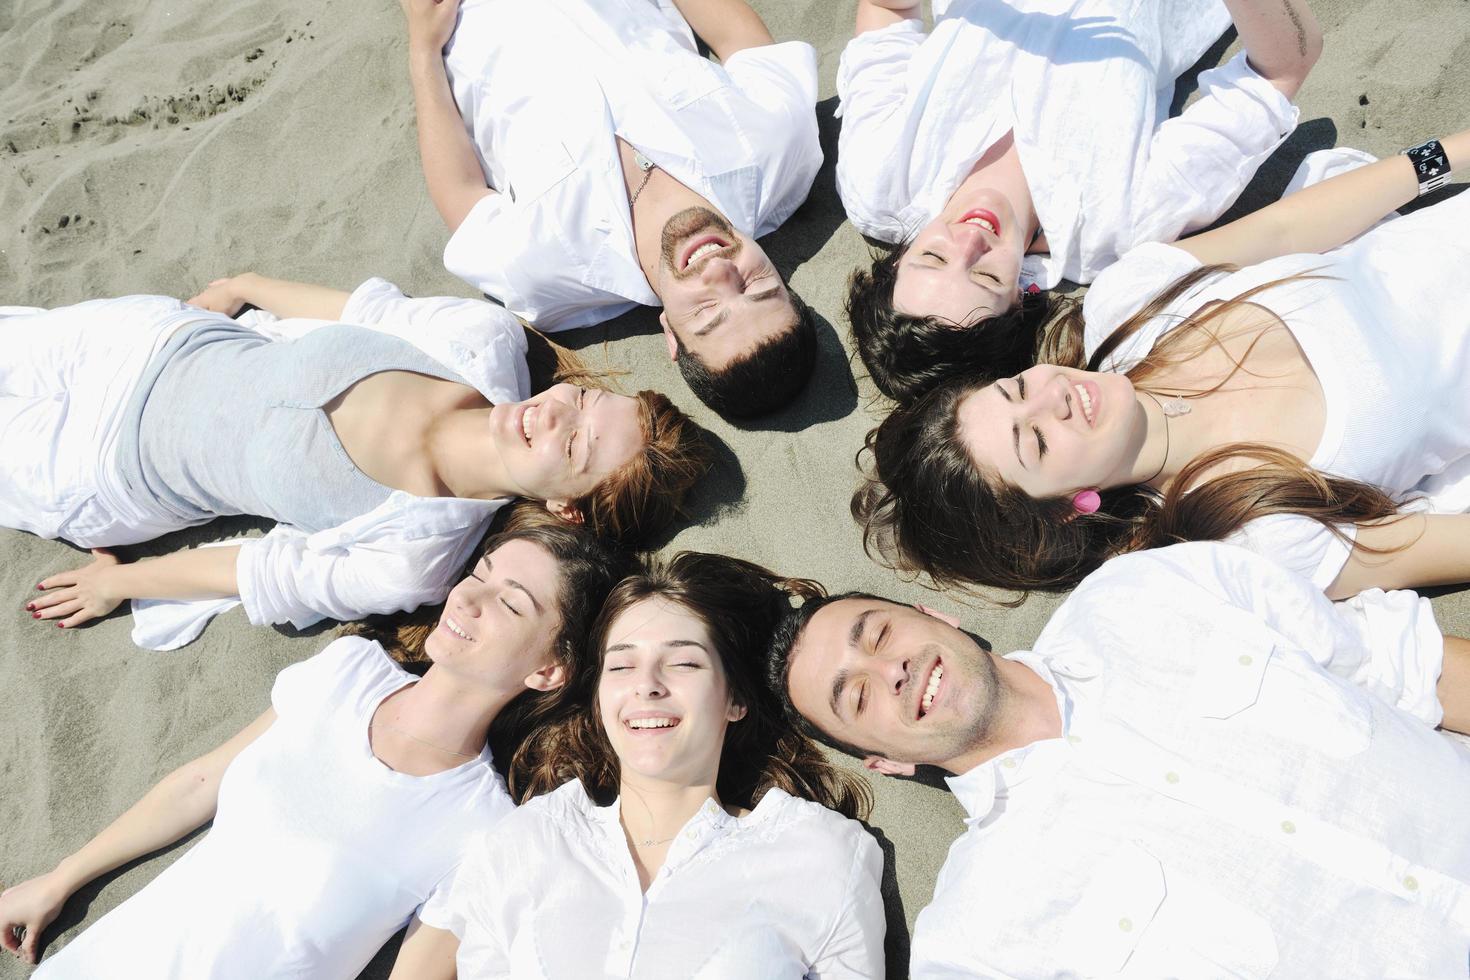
{"x":516,"y":585}
{"x":588,"y":437}
{"x":714,"y":321}
{"x":619,"y":647}
{"x":1015,"y":427}
{"x":854,"y":637}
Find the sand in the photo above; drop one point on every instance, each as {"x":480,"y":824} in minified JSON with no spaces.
{"x":151,"y":147}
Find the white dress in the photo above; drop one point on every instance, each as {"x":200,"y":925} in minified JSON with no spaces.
{"x":319,"y":852}
{"x":545,"y":88}
{"x":67,"y":375}
{"x":789,"y":890}
{"x":1086,"y":86}
{"x":1388,"y":335}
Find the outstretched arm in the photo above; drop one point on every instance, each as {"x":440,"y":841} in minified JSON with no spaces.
{"x":1282,"y":39}
{"x":94,"y":590}
{"x":873,"y":15}
{"x":451,"y":169}
{"x":426,"y":954}
{"x":282,"y":297}
{"x":727,"y":26}
{"x":1322,"y":216}
{"x":1417,"y":551}
{"x":182,"y":801}
{"x":1453,"y":688}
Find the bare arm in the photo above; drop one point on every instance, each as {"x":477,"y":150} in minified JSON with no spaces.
{"x":282,"y":297}
{"x":97,"y":589}
{"x":1282,"y":39}
{"x":1433,"y":549}
{"x":451,"y":169}
{"x":1454,"y":685}
{"x":873,"y":15}
{"x":727,"y":26}
{"x":182,"y":801}
{"x":1322,"y":216}
{"x":426,"y":954}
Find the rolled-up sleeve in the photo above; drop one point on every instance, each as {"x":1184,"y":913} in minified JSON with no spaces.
{"x":1298,"y":543}
{"x":1201,"y":160}
{"x":387,"y":561}
{"x":872,"y":88}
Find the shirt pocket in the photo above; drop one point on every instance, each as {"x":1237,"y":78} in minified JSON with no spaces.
{"x":1252,"y":678}
{"x":1113,"y":914}
{"x":690,"y":81}
{"x":535,"y":167}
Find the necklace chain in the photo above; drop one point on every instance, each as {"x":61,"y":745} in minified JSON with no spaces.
{"x":422,"y":741}
{"x":647,"y":166}
{"x":1174,"y":408}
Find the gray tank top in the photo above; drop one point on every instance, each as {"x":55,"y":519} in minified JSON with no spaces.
{"x":226,"y":421}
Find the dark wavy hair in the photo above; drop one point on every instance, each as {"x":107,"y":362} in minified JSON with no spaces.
{"x":907,"y":355}
{"x":587,"y":569}
{"x":928,"y":507}
{"x":741,"y":604}
{"x":764,"y":380}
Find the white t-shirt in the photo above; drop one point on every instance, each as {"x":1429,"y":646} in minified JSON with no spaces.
{"x":318,"y":854}
{"x":1086,"y":86}
{"x":545,"y":88}
{"x":789,"y":890}
{"x":1387,"y":333}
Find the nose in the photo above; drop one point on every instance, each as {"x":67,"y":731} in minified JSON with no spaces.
{"x":557,"y":413}
{"x":720,"y":272}
{"x":970,"y":246}
{"x":894,"y":673}
{"x":649,"y":685}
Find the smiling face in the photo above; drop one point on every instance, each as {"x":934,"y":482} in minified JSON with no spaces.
{"x":965,"y":265}
{"x":662,"y":697}
{"x":722,"y":296}
{"x":499,"y":624}
{"x":560,"y":444}
{"x":1052,"y":431}
{"x":895,"y":681}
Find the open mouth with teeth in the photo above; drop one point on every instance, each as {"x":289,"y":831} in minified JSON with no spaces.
{"x":931,"y":689}
{"x":982,"y":218}
{"x":1087,"y":398}
{"x":702,"y":247}
{"x":448,"y":623}
{"x":651,"y":723}
{"x":525,"y":421}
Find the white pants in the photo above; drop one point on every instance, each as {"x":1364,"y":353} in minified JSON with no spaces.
{"x":66,"y":377}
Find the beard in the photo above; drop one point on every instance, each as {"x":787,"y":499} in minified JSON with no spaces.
{"x":686,"y":223}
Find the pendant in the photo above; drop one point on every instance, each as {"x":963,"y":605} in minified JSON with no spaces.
{"x":1175,"y":407}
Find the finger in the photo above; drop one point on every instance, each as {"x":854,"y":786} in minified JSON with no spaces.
{"x":49,"y":599}
{"x":82,"y":616}
{"x":28,"y":945}
{"x":59,"y":580}
{"x":60,"y":609}
{"x":9,"y":939}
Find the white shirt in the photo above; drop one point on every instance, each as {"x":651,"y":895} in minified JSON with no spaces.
{"x":1390,"y":354}
{"x":407,"y":551}
{"x":789,"y":890}
{"x":544,"y":88}
{"x":1085,"y":85}
{"x":318,"y":854}
{"x":1248,"y":785}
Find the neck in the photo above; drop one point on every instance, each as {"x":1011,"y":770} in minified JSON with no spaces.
{"x":444,"y":711}
{"x":1026,"y":712}
{"x":656,"y":810}
{"x":999,"y":171}
{"x":462,"y":465}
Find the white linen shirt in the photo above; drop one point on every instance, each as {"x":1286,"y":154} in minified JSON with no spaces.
{"x":544,"y":88}
{"x":408,"y":550}
{"x":1085,"y":85}
{"x":1248,"y":785}
{"x":789,"y":890}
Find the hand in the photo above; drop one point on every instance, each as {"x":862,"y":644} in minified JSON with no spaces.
{"x":430,"y":23}
{"x":221,"y":296}
{"x":25,"y":912}
{"x":85,"y":593}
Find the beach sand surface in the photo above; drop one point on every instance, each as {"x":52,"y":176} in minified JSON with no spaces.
{"x":152,"y":147}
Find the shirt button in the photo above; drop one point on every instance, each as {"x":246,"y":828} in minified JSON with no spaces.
{"x":1171,"y":777}
{"x":1411,"y":884}
{"x":1246,"y":660}
{"x":1074,"y":739}
{"x":1287,"y":827}
{"x":1125,"y":924}
{"x":1009,"y":763}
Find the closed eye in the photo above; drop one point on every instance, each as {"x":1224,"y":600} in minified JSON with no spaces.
{"x":1040,"y":443}
{"x":1021,"y":385}
{"x":935,"y":256}
{"x":514,"y":611}
{"x":862,"y":701}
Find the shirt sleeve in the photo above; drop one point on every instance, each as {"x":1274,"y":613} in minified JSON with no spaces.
{"x":872,"y":88}
{"x":1123,"y":289}
{"x":389,"y":560}
{"x":854,"y":948}
{"x":1200,"y":160}
{"x":778,"y":75}
{"x":483,"y":343}
{"x":1300,"y":544}
{"x":438,"y":910}
{"x":467,"y":912}
{"x":304,"y":686}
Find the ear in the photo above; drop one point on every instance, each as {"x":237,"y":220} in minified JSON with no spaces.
{"x":567,"y":512}
{"x":548,"y":678}
{"x":942,"y":617}
{"x":669,"y":338}
{"x":736,"y":712}
{"x":876,"y":763}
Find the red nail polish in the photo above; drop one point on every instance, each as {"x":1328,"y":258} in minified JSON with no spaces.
{"x":35,"y":615}
{"x":40,"y":587}
{"x":30,"y":607}
{"x":61,"y":626}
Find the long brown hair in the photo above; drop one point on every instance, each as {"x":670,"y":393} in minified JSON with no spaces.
{"x":928,"y":507}
{"x":741,"y":604}
{"x":587,"y":570}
